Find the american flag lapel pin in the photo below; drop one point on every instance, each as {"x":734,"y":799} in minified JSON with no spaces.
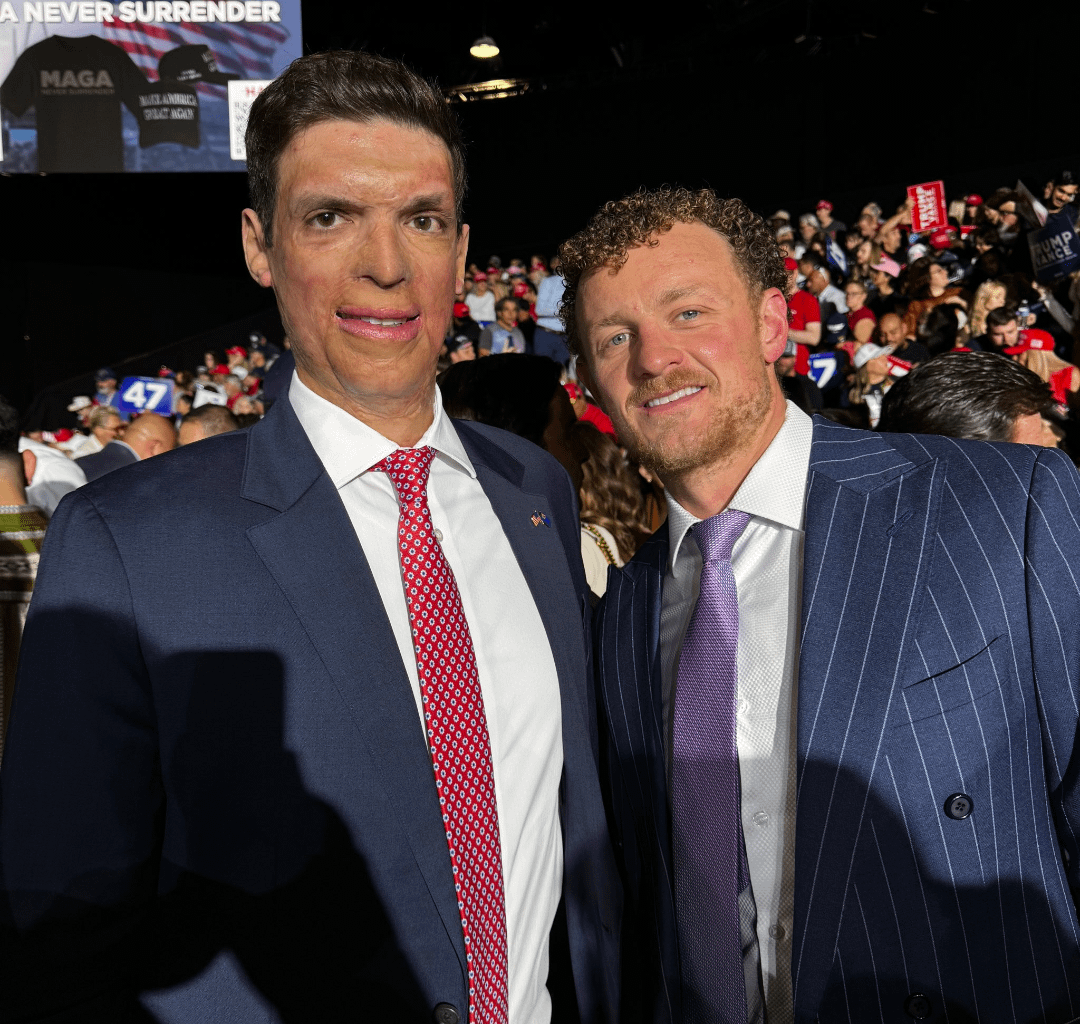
{"x":538,"y":518}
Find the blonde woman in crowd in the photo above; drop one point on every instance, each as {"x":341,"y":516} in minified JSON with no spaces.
{"x":989,"y":295}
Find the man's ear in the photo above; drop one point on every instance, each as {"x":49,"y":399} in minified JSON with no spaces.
{"x":462,"y":254}
{"x":29,"y":462}
{"x":255,"y":248}
{"x":774,"y":324}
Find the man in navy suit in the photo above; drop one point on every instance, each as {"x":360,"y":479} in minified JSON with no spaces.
{"x":902,"y":738}
{"x":219,"y":801}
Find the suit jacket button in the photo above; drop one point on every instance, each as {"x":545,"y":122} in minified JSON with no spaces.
{"x":446,"y":1013}
{"x":959,"y":806}
{"x":917,"y":1005}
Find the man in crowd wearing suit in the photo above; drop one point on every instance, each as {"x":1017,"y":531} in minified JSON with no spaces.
{"x":144,"y":437}
{"x":840,"y":684}
{"x":360,"y":786}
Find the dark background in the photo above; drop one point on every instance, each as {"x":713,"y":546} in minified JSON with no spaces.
{"x":779,"y":102}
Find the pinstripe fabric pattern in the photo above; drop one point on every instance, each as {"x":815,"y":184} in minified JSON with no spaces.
{"x":940,"y":655}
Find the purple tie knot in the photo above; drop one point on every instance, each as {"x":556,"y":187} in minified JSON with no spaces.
{"x":716,"y":536}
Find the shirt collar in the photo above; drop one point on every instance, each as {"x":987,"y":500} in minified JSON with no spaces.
{"x":774,"y":489}
{"x":348,"y":447}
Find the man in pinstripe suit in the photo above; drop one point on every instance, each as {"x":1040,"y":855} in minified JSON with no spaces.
{"x":908,"y":657}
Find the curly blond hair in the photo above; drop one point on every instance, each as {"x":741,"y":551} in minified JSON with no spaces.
{"x":624,"y":224}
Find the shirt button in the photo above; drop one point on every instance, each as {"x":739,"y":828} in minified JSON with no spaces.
{"x":741,"y":705}
{"x":776,"y":931}
{"x":761,"y":819}
{"x":438,"y":535}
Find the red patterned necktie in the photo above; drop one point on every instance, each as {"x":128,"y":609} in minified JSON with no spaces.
{"x":457,"y":735}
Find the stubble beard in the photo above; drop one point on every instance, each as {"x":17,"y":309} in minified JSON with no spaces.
{"x":732,"y":428}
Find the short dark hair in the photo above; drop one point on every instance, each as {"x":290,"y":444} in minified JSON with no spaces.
{"x":506,"y":300}
{"x":1066,"y":176}
{"x":9,"y":428}
{"x":625,"y":224}
{"x":939,"y":328}
{"x":998,"y":198}
{"x":510,"y":391}
{"x":977,"y":395}
{"x":214,"y":419}
{"x":1000,"y":317}
{"x":343,"y":85}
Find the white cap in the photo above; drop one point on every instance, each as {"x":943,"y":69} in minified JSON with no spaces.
{"x":864,"y":353}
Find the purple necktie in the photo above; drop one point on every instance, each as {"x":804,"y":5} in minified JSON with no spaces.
{"x":710,"y":857}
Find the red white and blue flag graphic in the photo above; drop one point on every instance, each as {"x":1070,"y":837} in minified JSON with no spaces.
{"x":246,"y":50}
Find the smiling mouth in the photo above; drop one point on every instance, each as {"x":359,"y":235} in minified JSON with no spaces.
{"x":380,"y":322}
{"x":673,"y":397}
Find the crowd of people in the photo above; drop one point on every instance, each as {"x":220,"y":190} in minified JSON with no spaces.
{"x":871,"y":302}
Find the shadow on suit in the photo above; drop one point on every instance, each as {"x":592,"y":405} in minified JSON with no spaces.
{"x":262,"y":897}
{"x":251,"y":901}
{"x":890,"y":948}
{"x":908,"y":929}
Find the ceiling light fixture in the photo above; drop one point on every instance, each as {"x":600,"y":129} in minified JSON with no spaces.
{"x":495,"y":89}
{"x":484,"y":48}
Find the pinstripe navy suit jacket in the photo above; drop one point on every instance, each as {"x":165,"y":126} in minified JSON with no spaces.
{"x":940,"y":654}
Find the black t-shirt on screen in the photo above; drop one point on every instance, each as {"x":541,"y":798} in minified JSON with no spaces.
{"x":76,"y":85}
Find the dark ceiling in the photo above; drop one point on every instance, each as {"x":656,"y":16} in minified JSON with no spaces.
{"x":778,"y":101}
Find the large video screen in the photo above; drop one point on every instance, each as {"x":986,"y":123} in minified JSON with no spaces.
{"x":97,"y":86}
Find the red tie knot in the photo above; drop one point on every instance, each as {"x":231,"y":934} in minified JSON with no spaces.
{"x":408,"y":469}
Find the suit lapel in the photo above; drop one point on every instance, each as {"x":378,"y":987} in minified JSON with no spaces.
{"x":870,"y":519}
{"x":538,"y":548}
{"x":311,"y":551}
{"x":628,"y":646}
{"x":629,"y":674}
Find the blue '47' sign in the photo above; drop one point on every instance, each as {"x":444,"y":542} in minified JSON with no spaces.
{"x":146,"y":394}
{"x":823,"y":368}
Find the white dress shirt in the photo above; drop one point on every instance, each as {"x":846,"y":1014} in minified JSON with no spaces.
{"x":517,"y":672}
{"x":767,"y":560}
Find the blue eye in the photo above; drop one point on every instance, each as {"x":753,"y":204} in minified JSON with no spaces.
{"x":689,"y":314}
{"x":620,"y":339}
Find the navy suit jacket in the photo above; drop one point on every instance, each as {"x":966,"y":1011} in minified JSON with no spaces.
{"x":217,"y":803}
{"x":113,"y":456}
{"x":940,"y":654}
